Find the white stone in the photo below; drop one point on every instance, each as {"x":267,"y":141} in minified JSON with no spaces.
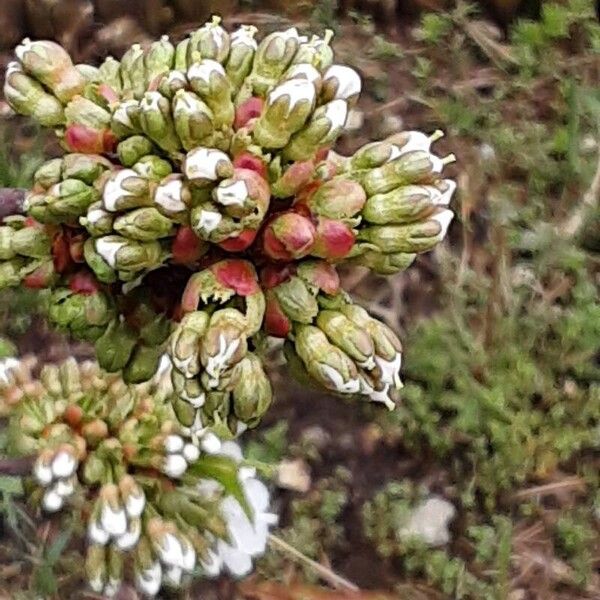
{"x":429,"y":521}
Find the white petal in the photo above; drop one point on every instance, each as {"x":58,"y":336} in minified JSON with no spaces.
{"x":64,"y":464}
{"x":170,"y":551}
{"x":42,"y":472}
{"x":189,"y":556}
{"x":130,"y":539}
{"x":209,"y":487}
{"x":257,"y":495}
{"x":191,"y":453}
{"x":148,"y":581}
{"x":211,"y":564}
{"x":232,"y":450}
{"x":172,"y":576}
{"x":135,"y":504}
{"x":242,"y":533}
{"x":210,"y":443}
{"x":237,"y":562}
{"x":173,"y":443}
{"x":113,"y":521}
{"x":64,"y":487}
{"x":51,"y":502}
{"x":96,"y":534}
{"x":175,"y":465}
{"x":112,"y":587}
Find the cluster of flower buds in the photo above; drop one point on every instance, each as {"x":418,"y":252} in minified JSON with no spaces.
{"x":332,"y":342}
{"x":151,"y":494}
{"x":218,"y":380}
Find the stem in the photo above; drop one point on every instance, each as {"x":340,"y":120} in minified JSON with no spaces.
{"x":16,"y":466}
{"x":11,"y":202}
{"x":335,"y":580}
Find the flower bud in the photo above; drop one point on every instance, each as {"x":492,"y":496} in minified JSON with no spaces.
{"x":187,"y":247}
{"x":334,"y":239}
{"x":296,"y":300}
{"x":172,"y":82}
{"x":276,"y":323}
{"x":341,"y":83}
{"x":125,"y":120}
{"x":205,"y":165}
{"x":406,"y":204}
{"x":384,"y":264}
{"x":110,"y":73}
{"x":372,"y":155}
{"x":81,"y":111}
{"x":185,"y":342}
{"x":152,"y":167}
{"x":329,"y":365}
{"x":339,"y":198}
{"x":324,"y":127}
{"x":224,"y":344}
{"x":347,"y":336}
{"x":159,"y":59}
{"x":51,"y":65}
{"x":85,"y":167}
{"x":128,"y":255}
{"x":288,"y":236}
{"x":143,"y":364}
{"x":246,"y":196}
{"x":193,"y":120}
{"x":125,"y":189}
{"x":147,"y":570}
{"x":417,"y":167}
{"x":172,"y":197}
{"x":69,"y":199}
{"x":409,"y":141}
{"x":319,"y":276}
{"x":86,"y":139}
{"x":252,"y":394}
{"x":95,"y":567}
{"x":410,"y":238}
{"x":27,"y":97}
{"x":32,"y":242}
{"x":115,"y":346}
{"x":131,"y":150}
{"x":143,"y":224}
{"x":97,"y":221}
{"x":133,"y":71}
{"x":193,"y":394}
{"x":157,"y":123}
{"x":316,"y":52}
{"x":241,"y":55}
{"x":209,"y":80}
{"x":211,"y":41}
{"x":287,"y":109}
{"x":294,"y":178}
{"x":49,"y":173}
{"x":273,"y":55}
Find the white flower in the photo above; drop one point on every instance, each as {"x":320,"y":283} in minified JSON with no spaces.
{"x":348,"y":81}
{"x":130,"y":538}
{"x":42,"y":471}
{"x":113,"y":521}
{"x":97,"y":534}
{"x":210,"y":443}
{"x":6,"y":366}
{"x":52,"y":501}
{"x":170,"y":550}
{"x":297,"y":90}
{"x":172,"y":576}
{"x":135,"y":504}
{"x":64,"y":464}
{"x":191,"y":453}
{"x":174,"y":465}
{"x":65,"y":487}
{"x":173,"y":443}
{"x":390,"y":370}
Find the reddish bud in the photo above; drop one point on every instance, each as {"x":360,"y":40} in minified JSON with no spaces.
{"x":240,"y":242}
{"x":73,"y":415}
{"x":334,"y":239}
{"x":84,"y":283}
{"x":276,"y":323}
{"x":61,"y":253}
{"x":105,"y":91}
{"x":288,"y":236}
{"x":41,"y":277}
{"x":238,"y":275}
{"x":187,"y":247}
{"x":320,"y":274}
{"x":252,"y":163}
{"x":80,"y":138}
{"x":274,"y":274}
{"x":322,"y":153}
{"x":246,"y":111}
{"x":76,"y":248}
{"x":295,"y":177}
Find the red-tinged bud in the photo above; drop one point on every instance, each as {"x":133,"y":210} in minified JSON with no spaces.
{"x":238,"y":275}
{"x":288,"y":236}
{"x":108,"y":93}
{"x":321,"y":153}
{"x":61,"y":254}
{"x":248,"y":110}
{"x":240,"y":242}
{"x":80,"y":138}
{"x":252,"y":163}
{"x":276,"y":323}
{"x":187,"y":247}
{"x":76,"y":248}
{"x":295,"y":177}
{"x":84,"y":283}
{"x":40,"y":278}
{"x":274,"y":274}
{"x":320,"y":274}
{"x":31,"y":222}
{"x":334,"y":239}
{"x":73,"y":415}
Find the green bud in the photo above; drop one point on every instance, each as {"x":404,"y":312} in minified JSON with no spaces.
{"x":90,"y":73}
{"x":152,"y":167}
{"x":125,"y":189}
{"x":287,"y":108}
{"x":124,"y":254}
{"x":27,"y":97}
{"x":193,"y":120}
{"x":70,"y":199}
{"x":49,"y":173}
{"x":143,"y":224}
{"x":372,"y":155}
{"x":384,"y":264}
{"x":102,"y":270}
{"x":191,"y":391}
{"x":32,"y":242}
{"x":252,"y":394}
{"x":339,"y":198}
{"x":241,"y":55}
{"x":115,"y":347}
{"x":210,"y":41}
{"x":95,"y":567}
{"x":171,"y":83}
{"x":329,"y":365}
{"x":209,"y":80}
{"x":143,"y":364}
{"x":347,"y":336}
{"x":172,"y":198}
{"x":133,"y":71}
{"x":157,"y":122}
{"x":411,"y":238}
{"x":181,"y":51}
{"x":36,"y":206}
{"x":296,"y":300}
{"x":133,"y":149}
{"x":97,"y":221}
{"x":125,"y":119}
{"x":10,"y":272}
{"x":6,"y":248}
{"x":82,"y":111}
{"x":110,"y":73}
{"x":317,"y":52}
{"x":85,"y":167}
{"x":159,"y":59}
{"x":185,"y":342}
{"x":325,"y":126}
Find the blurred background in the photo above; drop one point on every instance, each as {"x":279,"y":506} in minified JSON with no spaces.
{"x":485,"y":482}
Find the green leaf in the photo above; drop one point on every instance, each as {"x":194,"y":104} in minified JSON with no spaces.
{"x":11,"y":485}
{"x":55,"y":551}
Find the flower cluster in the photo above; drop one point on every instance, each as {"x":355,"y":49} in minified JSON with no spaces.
{"x":197,"y":209}
{"x":154,"y":499}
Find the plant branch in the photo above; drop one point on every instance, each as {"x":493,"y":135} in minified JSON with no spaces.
{"x":333,"y":579}
{"x":16,"y":466}
{"x":11,"y":202}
